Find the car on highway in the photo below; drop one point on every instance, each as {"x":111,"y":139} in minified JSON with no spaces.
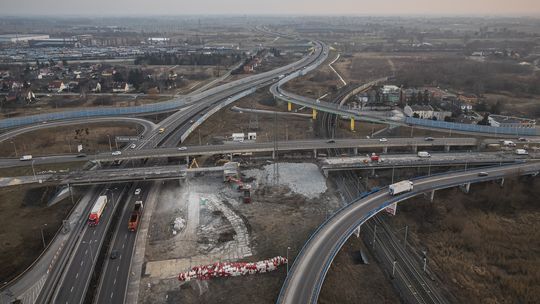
{"x":191,"y":121}
{"x":114,"y":254}
{"x":116,"y":153}
{"x":161,"y":130}
{"x":182,"y":148}
{"x":429,"y":139}
{"x":522,"y":139}
{"x":331,"y":141}
{"x":137,"y":191}
{"x":482,"y":174}
{"x":383,"y":140}
{"x":132,"y":146}
{"x":81,"y":155}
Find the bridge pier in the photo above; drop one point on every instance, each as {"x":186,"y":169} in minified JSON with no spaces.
{"x":373,"y":172}
{"x":447,"y":148}
{"x":465,"y":187}
{"x":502,"y":182}
{"x":187,"y":161}
{"x":352,"y":124}
{"x":314,"y":153}
{"x":415,"y":149}
{"x":273,"y":154}
{"x":355,"y":150}
{"x":314,"y":114}
{"x":289,"y":106}
{"x":432,"y":197}
{"x":385,"y":150}
{"x":357,"y":232}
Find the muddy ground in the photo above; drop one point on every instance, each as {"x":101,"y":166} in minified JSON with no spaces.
{"x":60,"y":140}
{"x":484,"y":245}
{"x":24,"y":213}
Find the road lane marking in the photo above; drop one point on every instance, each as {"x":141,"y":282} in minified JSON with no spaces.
{"x":112,"y":294}
{"x":77,"y":275}
{"x":117,"y":267}
{"x":71,"y":289}
{"x":114,"y":281}
{"x":82,"y":262}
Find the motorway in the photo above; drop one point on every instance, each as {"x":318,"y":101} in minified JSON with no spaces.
{"x":86,"y":252}
{"x":249,"y":147}
{"x":307,"y":274}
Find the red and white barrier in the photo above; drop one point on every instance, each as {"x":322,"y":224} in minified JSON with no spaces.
{"x":218,"y":269}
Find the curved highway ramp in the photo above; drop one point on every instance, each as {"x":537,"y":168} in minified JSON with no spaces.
{"x":307,"y":274}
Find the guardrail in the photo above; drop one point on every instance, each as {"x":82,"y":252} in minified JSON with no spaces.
{"x":363,"y":219}
{"x":471,"y":128}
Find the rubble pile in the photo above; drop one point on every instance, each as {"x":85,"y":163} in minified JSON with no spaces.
{"x":218,"y":269}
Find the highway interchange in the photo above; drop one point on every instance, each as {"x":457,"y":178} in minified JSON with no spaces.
{"x":68,"y":282}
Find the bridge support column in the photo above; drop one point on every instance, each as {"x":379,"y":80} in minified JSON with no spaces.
{"x":355,"y":150}
{"x":357,"y":232}
{"x":314,"y":114}
{"x":447,"y":148}
{"x":289,"y":106}
{"x":373,"y":172}
{"x":314,"y":153}
{"x":432,"y":197}
{"x":415,"y":149}
{"x":502,"y":182}
{"x":187,"y":161}
{"x":385,"y":150}
{"x":352,"y":124}
{"x":465,"y":187}
{"x":274,"y":154}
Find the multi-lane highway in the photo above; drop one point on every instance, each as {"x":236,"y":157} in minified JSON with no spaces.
{"x":308,"y":271}
{"x":250,"y":147}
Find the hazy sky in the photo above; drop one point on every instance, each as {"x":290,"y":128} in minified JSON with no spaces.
{"x":350,"y":7}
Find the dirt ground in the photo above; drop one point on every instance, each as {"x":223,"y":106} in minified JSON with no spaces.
{"x":24,"y":213}
{"x":349,"y":281}
{"x":60,"y":140}
{"x":484,"y":245}
{"x":276,"y":219}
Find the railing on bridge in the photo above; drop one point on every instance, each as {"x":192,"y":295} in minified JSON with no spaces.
{"x":470,"y":127}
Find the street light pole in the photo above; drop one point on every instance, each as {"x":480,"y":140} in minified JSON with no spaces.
{"x":14,"y":148}
{"x":33,"y":171}
{"x":42,"y":236}
{"x":288,"y":248}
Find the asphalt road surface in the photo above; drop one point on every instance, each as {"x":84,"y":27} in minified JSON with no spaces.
{"x":307,"y":274}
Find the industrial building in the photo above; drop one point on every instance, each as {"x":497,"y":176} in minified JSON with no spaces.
{"x":511,"y":122}
{"x":15,"y":38}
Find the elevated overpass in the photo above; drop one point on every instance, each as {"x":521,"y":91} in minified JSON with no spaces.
{"x":306,"y":277}
{"x":245,"y":147}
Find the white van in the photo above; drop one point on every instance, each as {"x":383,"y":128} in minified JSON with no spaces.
{"x":423,"y":154}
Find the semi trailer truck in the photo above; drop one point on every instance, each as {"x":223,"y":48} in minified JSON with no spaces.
{"x":97,"y":210}
{"x":400,"y":187}
{"x":135,"y":217}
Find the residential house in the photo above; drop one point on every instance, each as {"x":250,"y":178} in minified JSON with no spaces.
{"x":56,"y":86}
{"x":511,"y":122}
{"x":390,"y":94}
{"x":121,"y":87}
{"x":422,"y":111}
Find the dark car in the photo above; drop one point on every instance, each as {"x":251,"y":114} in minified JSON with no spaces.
{"x":115,"y":254}
{"x":429,"y":139}
{"x":81,"y":155}
{"x":331,"y":141}
{"x":481,"y":174}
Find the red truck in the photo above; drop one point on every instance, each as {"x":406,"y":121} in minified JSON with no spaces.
{"x":135,"y":216}
{"x":97,"y":210}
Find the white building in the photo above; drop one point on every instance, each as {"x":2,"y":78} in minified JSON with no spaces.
{"x":14,"y":38}
{"x":511,"y":122}
{"x":238,"y":137}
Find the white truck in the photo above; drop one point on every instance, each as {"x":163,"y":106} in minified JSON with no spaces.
{"x":26,"y":157}
{"x":400,"y":187}
{"x":521,"y":152}
{"x":508,"y":143}
{"x":423,"y":154}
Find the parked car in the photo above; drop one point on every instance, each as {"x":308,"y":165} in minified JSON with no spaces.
{"x":133,"y":146}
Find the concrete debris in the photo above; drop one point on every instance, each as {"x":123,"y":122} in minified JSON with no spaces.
{"x":178,"y":225}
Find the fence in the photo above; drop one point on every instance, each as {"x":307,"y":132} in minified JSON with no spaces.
{"x":95,"y":112}
{"x":471,"y":128}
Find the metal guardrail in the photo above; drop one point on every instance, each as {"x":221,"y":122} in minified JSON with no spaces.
{"x":362,"y":220}
{"x":471,"y":128}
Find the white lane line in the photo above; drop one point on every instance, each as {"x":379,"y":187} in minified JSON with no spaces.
{"x":114,"y":281}
{"x":71,"y":289}
{"x":117,"y":267}
{"x":86,"y":251}
{"x":82,"y":262}
{"x":76,"y":275}
{"x":112,"y":294}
